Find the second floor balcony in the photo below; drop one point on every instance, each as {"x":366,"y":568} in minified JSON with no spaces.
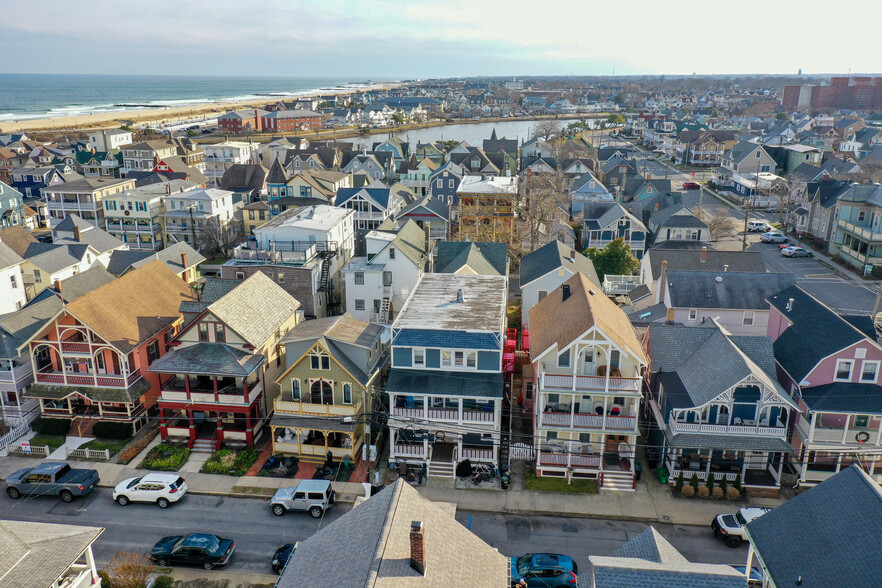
{"x":181,"y":388}
{"x":287,"y":405}
{"x":841,"y":430}
{"x":586,"y":412}
{"x":93,"y":379}
{"x":563,"y":383}
{"x":449,"y":410}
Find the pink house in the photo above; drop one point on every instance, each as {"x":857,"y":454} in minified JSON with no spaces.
{"x":830,"y":364}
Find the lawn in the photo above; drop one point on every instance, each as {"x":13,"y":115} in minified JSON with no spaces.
{"x":547,"y":484}
{"x":51,"y":441}
{"x":165,"y":458}
{"x":114,"y":445}
{"x":230,"y":462}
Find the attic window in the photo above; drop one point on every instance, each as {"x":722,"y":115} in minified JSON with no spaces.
{"x":391,"y":253}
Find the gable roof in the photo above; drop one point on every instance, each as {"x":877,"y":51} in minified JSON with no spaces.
{"x":343,"y":328}
{"x":379,"y":195}
{"x":715,"y":261}
{"x":208,"y":359}
{"x":51,"y":258}
{"x":411,"y":241}
{"x":17,"y":238}
{"x":8,"y":257}
{"x":152,"y":296}
{"x":815,"y":332}
{"x":37,"y":554}
{"x":244,"y":176}
{"x":122,"y":261}
{"x":586,"y":307}
{"x":427,"y":206}
{"x":832,"y":533}
{"x":725,"y":290}
{"x":551,"y":257}
{"x":484,"y":258}
{"x":99,"y":239}
{"x":374,"y":541}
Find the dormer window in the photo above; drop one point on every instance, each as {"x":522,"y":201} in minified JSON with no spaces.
{"x":319,"y":360}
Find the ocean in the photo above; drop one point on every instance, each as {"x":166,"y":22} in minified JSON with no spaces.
{"x":29,"y":96}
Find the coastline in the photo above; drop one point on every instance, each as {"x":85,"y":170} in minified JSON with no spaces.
{"x":151,"y":116}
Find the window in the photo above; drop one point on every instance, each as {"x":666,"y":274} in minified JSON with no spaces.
{"x":446,"y":358}
{"x":419,"y":357}
{"x":693,"y":314}
{"x":563,"y":360}
{"x":295,"y":389}
{"x":152,"y":352}
{"x":203,"y":332}
{"x":757,"y":154}
{"x":250,"y":215}
{"x":359,"y":279}
{"x":440,"y":183}
{"x":542,"y":294}
{"x":450,"y":184}
{"x":869,"y":371}
{"x":387,"y":279}
{"x":281,"y":277}
{"x":472,"y":359}
{"x":347,"y":393}
{"x":862,"y":215}
{"x":359,"y":304}
{"x":219,"y":334}
{"x":14,"y":282}
{"x":458,"y":358}
{"x":551,"y":435}
{"x":747,"y":320}
{"x":843,"y":370}
{"x":861,"y":421}
{"x":240,"y":275}
{"x":391,"y":253}
{"x":319,"y":361}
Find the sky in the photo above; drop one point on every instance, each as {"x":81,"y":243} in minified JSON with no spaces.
{"x":392,"y":39}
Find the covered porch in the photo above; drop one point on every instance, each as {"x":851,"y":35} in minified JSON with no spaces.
{"x":311,"y":438}
{"x":107,"y":404}
{"x":234,"y":426}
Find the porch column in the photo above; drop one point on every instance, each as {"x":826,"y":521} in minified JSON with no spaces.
{"x":426,"y":407}
{"x":879,"y":434}
{"x":425,"y":448}
{"x":814,"y":421}
{"x":780,"y":469}
{"x":573,"y":410}
{"x":743,"y":464}
{"x":710,"y":455}
{"x":214,"y":386}
{"x":845,"y":429}
{"x":804,"y":460}
{"x":603,"y":424}
{"x":187,"y":385}
{"x":69,"y":408}
{"x":245,"y":389}
{"x":838,"y":462}
{"x":574,"y":358}
{"x":459,"y":414}
{"x":220,"y":428}
{"x":163,"y":427}
{"x":749,"y":557}
{"x":192,"y":429}
{"x":100,"y":409}
{"x":249,"y":432}
{"x":608,"y":370}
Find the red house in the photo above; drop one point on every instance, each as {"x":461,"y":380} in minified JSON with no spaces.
{"x":292,"y":120}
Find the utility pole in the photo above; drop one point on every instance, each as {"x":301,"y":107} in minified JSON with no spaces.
{"x":747,"y":203}
{"x":192,"y":225}
{"x":878,"y":299}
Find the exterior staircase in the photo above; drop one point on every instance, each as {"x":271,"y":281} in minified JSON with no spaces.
{"x":203,"y":446}
{"x":385,"y":305}
{"x":441,"y":469}
{"x":618,"y":480}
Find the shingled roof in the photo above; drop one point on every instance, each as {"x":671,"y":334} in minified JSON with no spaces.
{"x":551,"y":257}
{"x":37,"y":554}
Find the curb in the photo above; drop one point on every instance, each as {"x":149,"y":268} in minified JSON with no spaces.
{"x":580,"y":515}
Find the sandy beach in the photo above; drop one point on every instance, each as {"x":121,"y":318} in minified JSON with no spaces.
{"x":147,"y":116}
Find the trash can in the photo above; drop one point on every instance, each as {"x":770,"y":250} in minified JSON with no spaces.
{"x":662,"y":475}
{"x":638,"y":470}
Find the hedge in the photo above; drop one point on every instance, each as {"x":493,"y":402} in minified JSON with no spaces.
{"x":112,"y":430}
{"x":46,"y":426}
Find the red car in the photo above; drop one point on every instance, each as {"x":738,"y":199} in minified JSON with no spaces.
{"x":691,"y":186}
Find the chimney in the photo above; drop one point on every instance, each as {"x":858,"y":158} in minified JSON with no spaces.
{"x":669,"y":317}
{"x":76,"y":233}
{"x":572,"y":255}
{"x":703,"y":255}
{"x":417,"y":547}
{"x":659,"y":292}
{"x":565,"y":289}
{"x":58,"y":285}
{"x":726,"y":267}
{"x":184,"y":264}
{"x":655,"y":208}
{"x":256,"y":121}
{"x":459,"y":297}
{"x":168,"y":189}
{"x":789,"y":306}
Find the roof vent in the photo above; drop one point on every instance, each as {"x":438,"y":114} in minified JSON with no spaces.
{"x":726,"y":267}
{"x":459,"y":295}
{"x":719,"y":279}
{"x":591,"y":292}
{"x":789,"y":306}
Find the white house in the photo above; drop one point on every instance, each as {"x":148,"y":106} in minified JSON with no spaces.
{"x":110,"y":140}
{"x":220,"y":156}
{"x":188,"y":214}
{"x":12,"y":287}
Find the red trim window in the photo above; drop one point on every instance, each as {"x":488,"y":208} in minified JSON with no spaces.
{"x":203,"y":332}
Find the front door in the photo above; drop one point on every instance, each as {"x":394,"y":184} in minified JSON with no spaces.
{"x":589,"y":367}
{"x":755,"y":460}
{"x":442,"y":451}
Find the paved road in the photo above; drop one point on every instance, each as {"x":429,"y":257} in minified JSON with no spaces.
{"x":515,"y":535}
{"x":136,"y":527}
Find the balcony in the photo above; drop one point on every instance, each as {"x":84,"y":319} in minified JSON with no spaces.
{"x":555,"y":383}
{"x":445,"y":414}
{"x":94,"y":380}
{"x":307,"y":408}
{"x":848,"y":437}
{"x":16,"y":374}
{"x":863,"y":232}
{"x":744,"y":429}
{"x":588,"y":421}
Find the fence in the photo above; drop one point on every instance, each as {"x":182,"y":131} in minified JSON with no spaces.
{"x":14,"y":434}
{"x":36,"y":451}
{"x":92,"y":454}
{"x":522,"y":452}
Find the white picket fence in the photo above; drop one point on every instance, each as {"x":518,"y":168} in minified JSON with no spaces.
{"x":522,"y":452}
{"x":13,"y":435}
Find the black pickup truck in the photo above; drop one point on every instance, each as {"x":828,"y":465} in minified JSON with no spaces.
{"x":52,"y":478}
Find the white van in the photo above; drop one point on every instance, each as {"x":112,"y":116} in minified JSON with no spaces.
{"x":758,"y":225}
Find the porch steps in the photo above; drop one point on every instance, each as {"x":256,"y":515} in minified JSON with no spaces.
{"x":620,"y":481}
{"x":203,"y":446}
{"x":441,"y":469}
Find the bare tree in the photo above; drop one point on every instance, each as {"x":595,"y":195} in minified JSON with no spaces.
{"x":718,"y":222}
{"x":546,"y":129}
{"x":218,"y":238}
{"x":128,"y":569}
{"x":543,"y":194}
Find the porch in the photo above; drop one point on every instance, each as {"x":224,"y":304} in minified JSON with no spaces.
{"x":585,"y":412}
{"x":313,"y":438}
{"x":80,"y":358}
{"x":754,"y":469}
{"x":227,"y":426}
{"x":442,"y":451}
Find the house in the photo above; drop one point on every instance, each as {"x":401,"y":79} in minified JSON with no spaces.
{"x":288,"y":121}
{"x":677,"y":224}
{"x":818,"y":199}
{"x":219,"y":157}
{"x":253,"y":216}
{"x":303,"y":250}
{"x":487,"y":207}
{"x":857,"y":236}
{"x":586,"y":373}
{"x":171,"y":168}
{"x":736,"y":300}
{"x":144,"y":155}
{"x":90,"y":362}
{"x":830,"y":366}
{"x":702,"y":148}
{"x":331,"y":370}
{"x":180,"y":258}
{"x":73,"y":230}
{"x":605,"y":222}
{"x":444,"y":182}
{"x":445,"y":385}
{"x":12,"y":287}
{"x":200,"y":218}
{"x":247,"y":181}
{"x":46,"y":263}
{"x":84,"y":197}
{"x":218,"y":383}
{"x":241,"y":121}
{"x":717,"y":407}
{"x":316,"y":184}
{"x":48,"y":555}
{"x":98,"y":164}
{"x":12,"y":207}
{"x":417,"y":174}
{"x":371,"y":205}
{"x":135,"y":216}
{"x":431,"y":214}
{"x":543,"y":270}
{"x":30,"y":181}
{"x":378,"y":284}
{"x":831,"y":531}
{"x":648,"y":559}
{"x":396,"y":538}
{"x":471,"y":258}
{"x":742,"y":159}
{"x":111,"y":140}
{"x":588,"y":188}
{"x":369,"y":163}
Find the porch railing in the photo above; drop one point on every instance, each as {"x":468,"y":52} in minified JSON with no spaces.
{"x":445,"y":414}
{"x":289,"y":406}
{"x":702,"y":475}
{"x":477,"y":453}
{"x":588,"y":383}
{"x":48,"y":376}
{"x":405,"y":449}
{"x":847,"y":438}
{"x":566,"y":459}
{"x":587,"y":421}
{"x":779,"y":432}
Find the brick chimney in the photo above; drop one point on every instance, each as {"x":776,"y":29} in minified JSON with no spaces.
{"x":256,"y":121}
{"x":76,"y":233}
{"x":184,"y":265}
{"x":703,"y":255}
{"x":655,"y":208}
{"x":417,"y":547}
{"x":58,"y":285}
{"x":669,"y":317}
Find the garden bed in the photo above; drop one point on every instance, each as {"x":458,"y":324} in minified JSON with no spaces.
{"x":550,"y":484}
{"x":279,"y":466}
{"x":137,"y":446}
{"x":230,"y":462}
{"x":165,"y":458}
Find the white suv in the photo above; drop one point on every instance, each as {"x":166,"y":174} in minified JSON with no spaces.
{"x":731,"y":526}
{"x":161,"y":489}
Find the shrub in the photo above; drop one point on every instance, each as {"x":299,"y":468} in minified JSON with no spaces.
{"x":704,"y":492}
{"x":46,"y":426}
{"x":737,"y":482}
{"x":724,"y":484}
{"x":710,"y":481}
{"x":688,"y":491}
{"x":733,"y":493}
{"x":694,"y":482}
{"x":129,"y":569}
{"x":718,"y":492}
{"x":230,"y":462}
{"x":163,"y":582}
{"x":105,"y":579}
{"x":165,"y":458}
{"x":679,"y":484}
{"x":112,"y":430}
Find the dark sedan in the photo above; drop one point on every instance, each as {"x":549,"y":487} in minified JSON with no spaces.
{"x":195,"y":549}
{"x":280,"y":557}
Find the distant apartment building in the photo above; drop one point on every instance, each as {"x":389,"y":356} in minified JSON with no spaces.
{"x":84,"y":197}
{"x":291,"y":120}
{"x":241,"y":121}
{"x":855,"y":93}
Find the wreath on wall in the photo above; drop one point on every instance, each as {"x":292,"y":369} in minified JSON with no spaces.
{"x":862,"y":436}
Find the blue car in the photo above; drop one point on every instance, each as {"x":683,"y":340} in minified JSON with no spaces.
{"x":544,"y":570}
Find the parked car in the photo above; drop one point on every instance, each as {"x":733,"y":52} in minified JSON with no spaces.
{"x":758,"y":226}
{"x":691,"y":186}
{"x":796,"y":251}
{"x":730,"y":527}
{"x":755,"y":579}
{"x":195,"y":549}
{"x":280,"y":557}
{"x":545,"y":570}
{"x":773,"y":237}
{"x":312,"y":496}
{"x":161,"y":489}
{"x":54,"y":478}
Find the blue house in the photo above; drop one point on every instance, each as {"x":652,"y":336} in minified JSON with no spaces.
{"x":446,"y":383}
{"x":444,"y":181}
{"x":28,"y":181}
{"x":11,"y":207}
{"x":606,"y":221}
{"x":588,"y":189}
